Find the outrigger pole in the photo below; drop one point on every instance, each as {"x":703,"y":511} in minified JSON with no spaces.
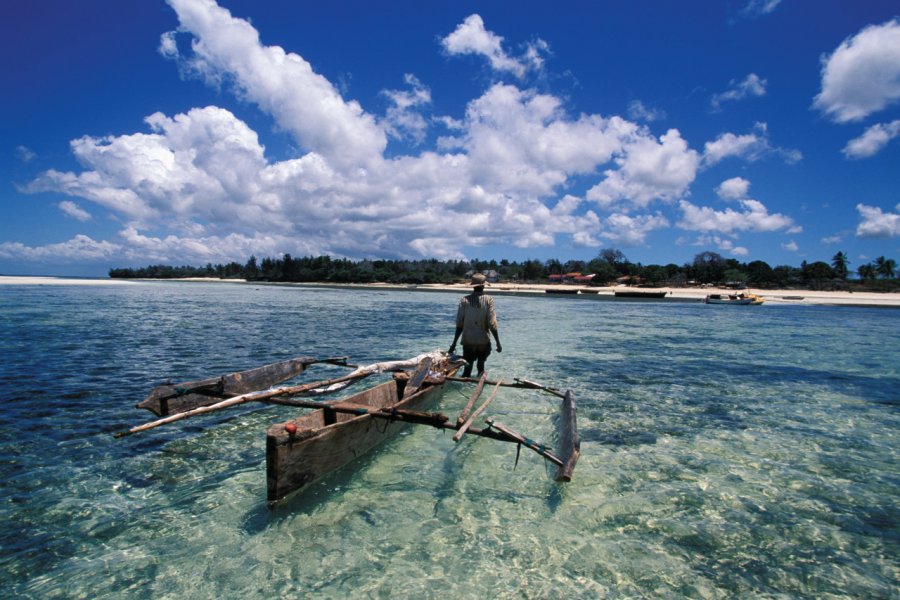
{"x":494,"y":430}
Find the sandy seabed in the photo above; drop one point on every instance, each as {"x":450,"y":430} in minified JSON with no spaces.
{"x":832,"y":298}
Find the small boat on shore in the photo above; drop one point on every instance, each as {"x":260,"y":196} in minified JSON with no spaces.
{"x":754,"y":299}
{"x":307,"y":448}
{"x":563,"y":291}
{"x":646,"y":294}
{"x":728,"y":299}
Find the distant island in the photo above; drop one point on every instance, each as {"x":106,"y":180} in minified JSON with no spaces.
{"x":610,"y":267}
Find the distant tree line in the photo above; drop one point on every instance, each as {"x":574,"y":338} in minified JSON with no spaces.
{"x":608,"y":267}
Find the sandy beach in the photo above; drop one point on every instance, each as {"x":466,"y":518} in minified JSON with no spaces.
{"x":829,"y":298}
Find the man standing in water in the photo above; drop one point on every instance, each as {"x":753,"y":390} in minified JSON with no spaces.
{"x":475,"y":317}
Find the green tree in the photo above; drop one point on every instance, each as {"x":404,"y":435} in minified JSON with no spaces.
{"x":708,"y":267}
{"x":840,"y":264}
{"x":603,"y":272}
{"x":816,"y":274}
{"x":612,"y":257}
{"x":575,"y":266}
{"x":532,"y":270}
{"x":886,"y":267}
{"x":554,"y":267}
{"x":867,"y":272}
{"x":654,"y":274}
{"x":760,"y":274}
{"x":735,"y":276}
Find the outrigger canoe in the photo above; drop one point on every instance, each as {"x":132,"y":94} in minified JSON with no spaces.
{"x":305,"y":449}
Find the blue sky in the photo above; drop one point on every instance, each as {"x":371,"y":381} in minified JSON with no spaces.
{"x":187,"y":132}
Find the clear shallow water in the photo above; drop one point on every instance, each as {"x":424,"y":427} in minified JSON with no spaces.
{"x":726,"y":451}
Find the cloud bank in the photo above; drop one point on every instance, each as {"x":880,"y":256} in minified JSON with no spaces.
{"x":197,"y":186}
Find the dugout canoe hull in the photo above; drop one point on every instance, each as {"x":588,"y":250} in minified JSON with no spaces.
{"x":325,"y":441}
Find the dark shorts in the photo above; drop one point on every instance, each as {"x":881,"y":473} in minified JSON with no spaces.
{"x":479,"y":352}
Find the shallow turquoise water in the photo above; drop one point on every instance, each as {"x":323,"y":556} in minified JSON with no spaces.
{"x":727,"y":451}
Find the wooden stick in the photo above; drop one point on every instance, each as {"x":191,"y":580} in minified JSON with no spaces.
{"x":538,"y":386}
{"x":465,"y":413}
{"x":521,"y":439}
{"x":480,"y":409}
{"x":434,"y":419}
{"x":249,"y":397}
{"x":519,"y":383}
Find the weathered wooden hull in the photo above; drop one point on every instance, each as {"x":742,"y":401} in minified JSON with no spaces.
{"x":325,"y":441}
{"x":174,"y":398}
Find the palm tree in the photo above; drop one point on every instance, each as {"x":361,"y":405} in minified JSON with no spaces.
{"x":866,"y":271}
{"x":554,"y":267}
{"x":886,"y":267}
{"x":839,"y":262}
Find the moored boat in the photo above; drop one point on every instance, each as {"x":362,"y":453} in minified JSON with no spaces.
{"x":754,"y":299}
{"x":728,"y":299}
{"x":640,"y":293}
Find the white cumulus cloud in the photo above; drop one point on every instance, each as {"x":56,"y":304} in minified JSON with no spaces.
{"x":751,"y":85}
{"x":862,"y":76}
{"x":471,"y":37}
{"x":73,"y":210}
{"x":630,"y":230}
{"x":649,"y":169}
{"x":79,"y":248}
{"x":753,"y":217}
{"x":281,"y":83}
{"x":872,"y":140}
{"x":403,"y":117}
{"x":751,"y":147}
{"x":877,"y":224}
{"x":735,"y":188}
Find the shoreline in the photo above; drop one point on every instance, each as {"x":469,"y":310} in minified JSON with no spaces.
{"x":793,"y":297}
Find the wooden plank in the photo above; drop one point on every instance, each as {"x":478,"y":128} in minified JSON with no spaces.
{"x":465,"y":413}
{"x":173,"y":398}
{"x":569,"y":447}
{"x":480,"y":410}
{"x":418,"y":377}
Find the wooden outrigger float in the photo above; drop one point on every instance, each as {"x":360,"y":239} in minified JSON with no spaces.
{"x":305,"y":449}
{"x":173,"y":398}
